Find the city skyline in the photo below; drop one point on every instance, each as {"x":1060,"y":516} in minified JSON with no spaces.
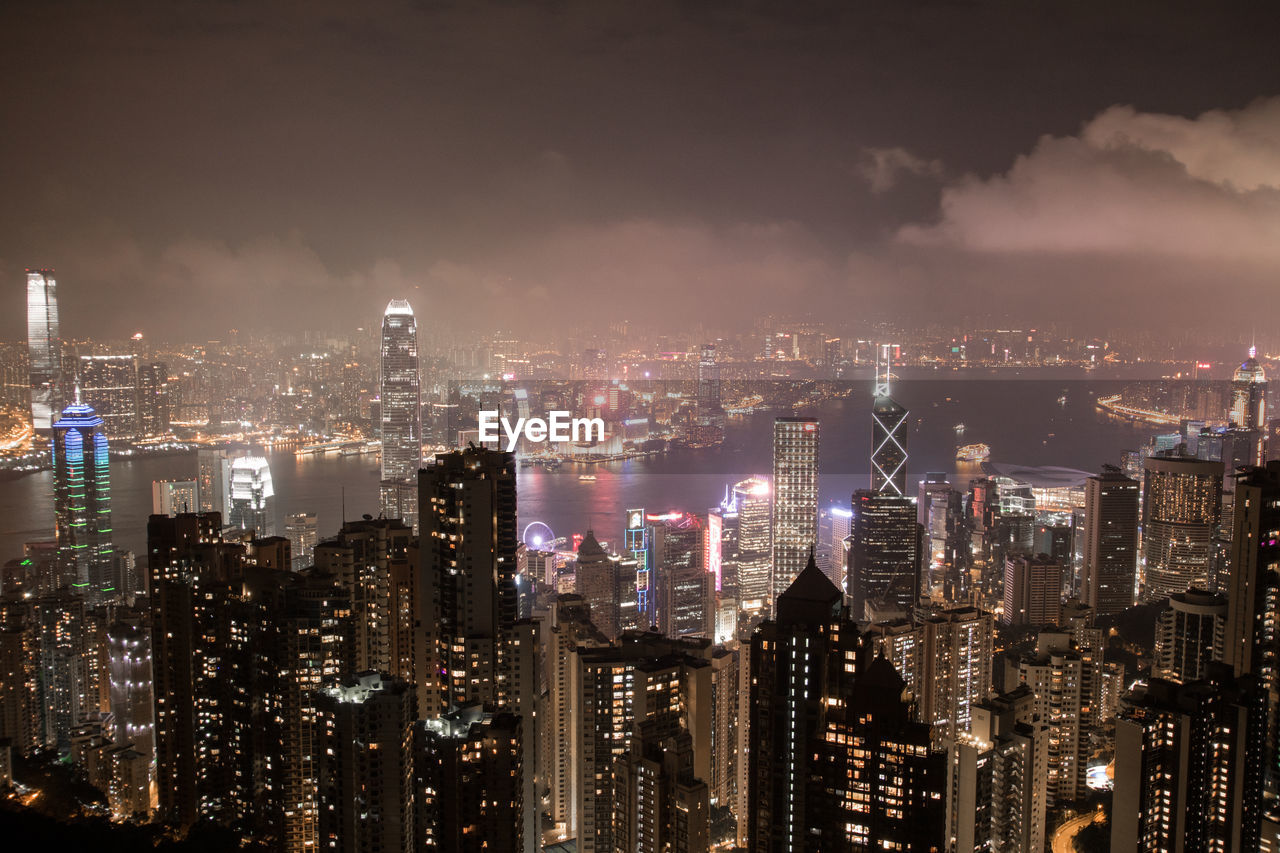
{"x":929,"y":492}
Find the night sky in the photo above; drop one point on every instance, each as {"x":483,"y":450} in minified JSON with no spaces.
{"x":191,"y":166}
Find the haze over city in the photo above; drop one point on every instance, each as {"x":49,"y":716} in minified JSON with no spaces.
{"x":193,"y":168}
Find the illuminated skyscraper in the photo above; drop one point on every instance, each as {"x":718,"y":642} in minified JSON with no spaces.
{"x":751,"y":501}
{"x":884,"y":555}
{"x":1190,"y":634}
{"x":252,"y":504}
{"x":1181,"y":507}
{"x":82,"y":502}
{"x":302,"y":531}
{"x":1032,"y":590}
{"x":795,"y":497}
{"x":1110,"y":534}
{"x":467,"y":578}
{"x":109,"y":383}
{"x":44,"y":346}
{"x":364,"y":748}
{"x":1187,"y":766}
{"x":888,"y":435}
{"x":1249,"y":393}
{"x":214,"y":482}
{"x":400,"y":396}
{"x":129,"y":648}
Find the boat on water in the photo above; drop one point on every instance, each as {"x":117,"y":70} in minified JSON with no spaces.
{"x":973,"y":453}
{"x":959,"y":427}
{"x":587,"y":478}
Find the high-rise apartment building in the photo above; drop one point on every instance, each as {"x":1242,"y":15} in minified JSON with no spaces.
{"x":646,"y":679}
{"x":365,"y":748}
{"x":467,"y":577}
{"x":997,"y":786}
{"x":365,"y":557}
{"x":880,"y":786}
{"x":1188,"y":768}
{"x":468,"y":794}
{"x":795,"y":498}
{"x":1109,"y":568}
{"x":1190,"y":635}
{"x":1066,"y":682}
{"x":1032,"y":590}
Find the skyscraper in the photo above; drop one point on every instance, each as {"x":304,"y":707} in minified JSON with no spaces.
{"x":82,"y":502}
{"x":795,"y":497}
{"x":129,"y":650}
{"x":467,"y":576}
{"x":1252,"y":638}
{"x":1110,"y":552}
{"x":364,"y":557}
{"x":44,"y":346}
{"x":400,"y":395}
{"x":252,"y":494}
{"x":889,"y":429}
{"x":1249,"y":393}
{"x":213,"y":477}
{"x":1032,"y":590}
{"x":708,"y":382}
{"x":803,"y":666}
{"x":752,"y":501}
{"x":882,"y":787}
{"x":884,"y":555}
{"x":1181,"y":507}
{"x":109,"y":383}
{"x":997,"y":792}
{"x":644,"y":679}
{"x":302,"y":532}
{"x":601,"y":581}
{"x":1187,"y":773}
{"x":364,"y":745}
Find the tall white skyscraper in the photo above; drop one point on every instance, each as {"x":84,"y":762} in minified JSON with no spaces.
{"x":44,"y":345}
{"x":795,"y":497}
{"x":251,"y":496}
{"x":400,"y":393}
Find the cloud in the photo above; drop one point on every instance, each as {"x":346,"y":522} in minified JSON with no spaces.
{"x":1132,"y":184}
{"x":577,"y":276}
{"x":882,"y":167}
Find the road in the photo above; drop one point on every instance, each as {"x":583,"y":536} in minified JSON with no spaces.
{"x":1064,"y":838}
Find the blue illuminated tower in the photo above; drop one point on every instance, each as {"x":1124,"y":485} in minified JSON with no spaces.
{"x":82,"y":502}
